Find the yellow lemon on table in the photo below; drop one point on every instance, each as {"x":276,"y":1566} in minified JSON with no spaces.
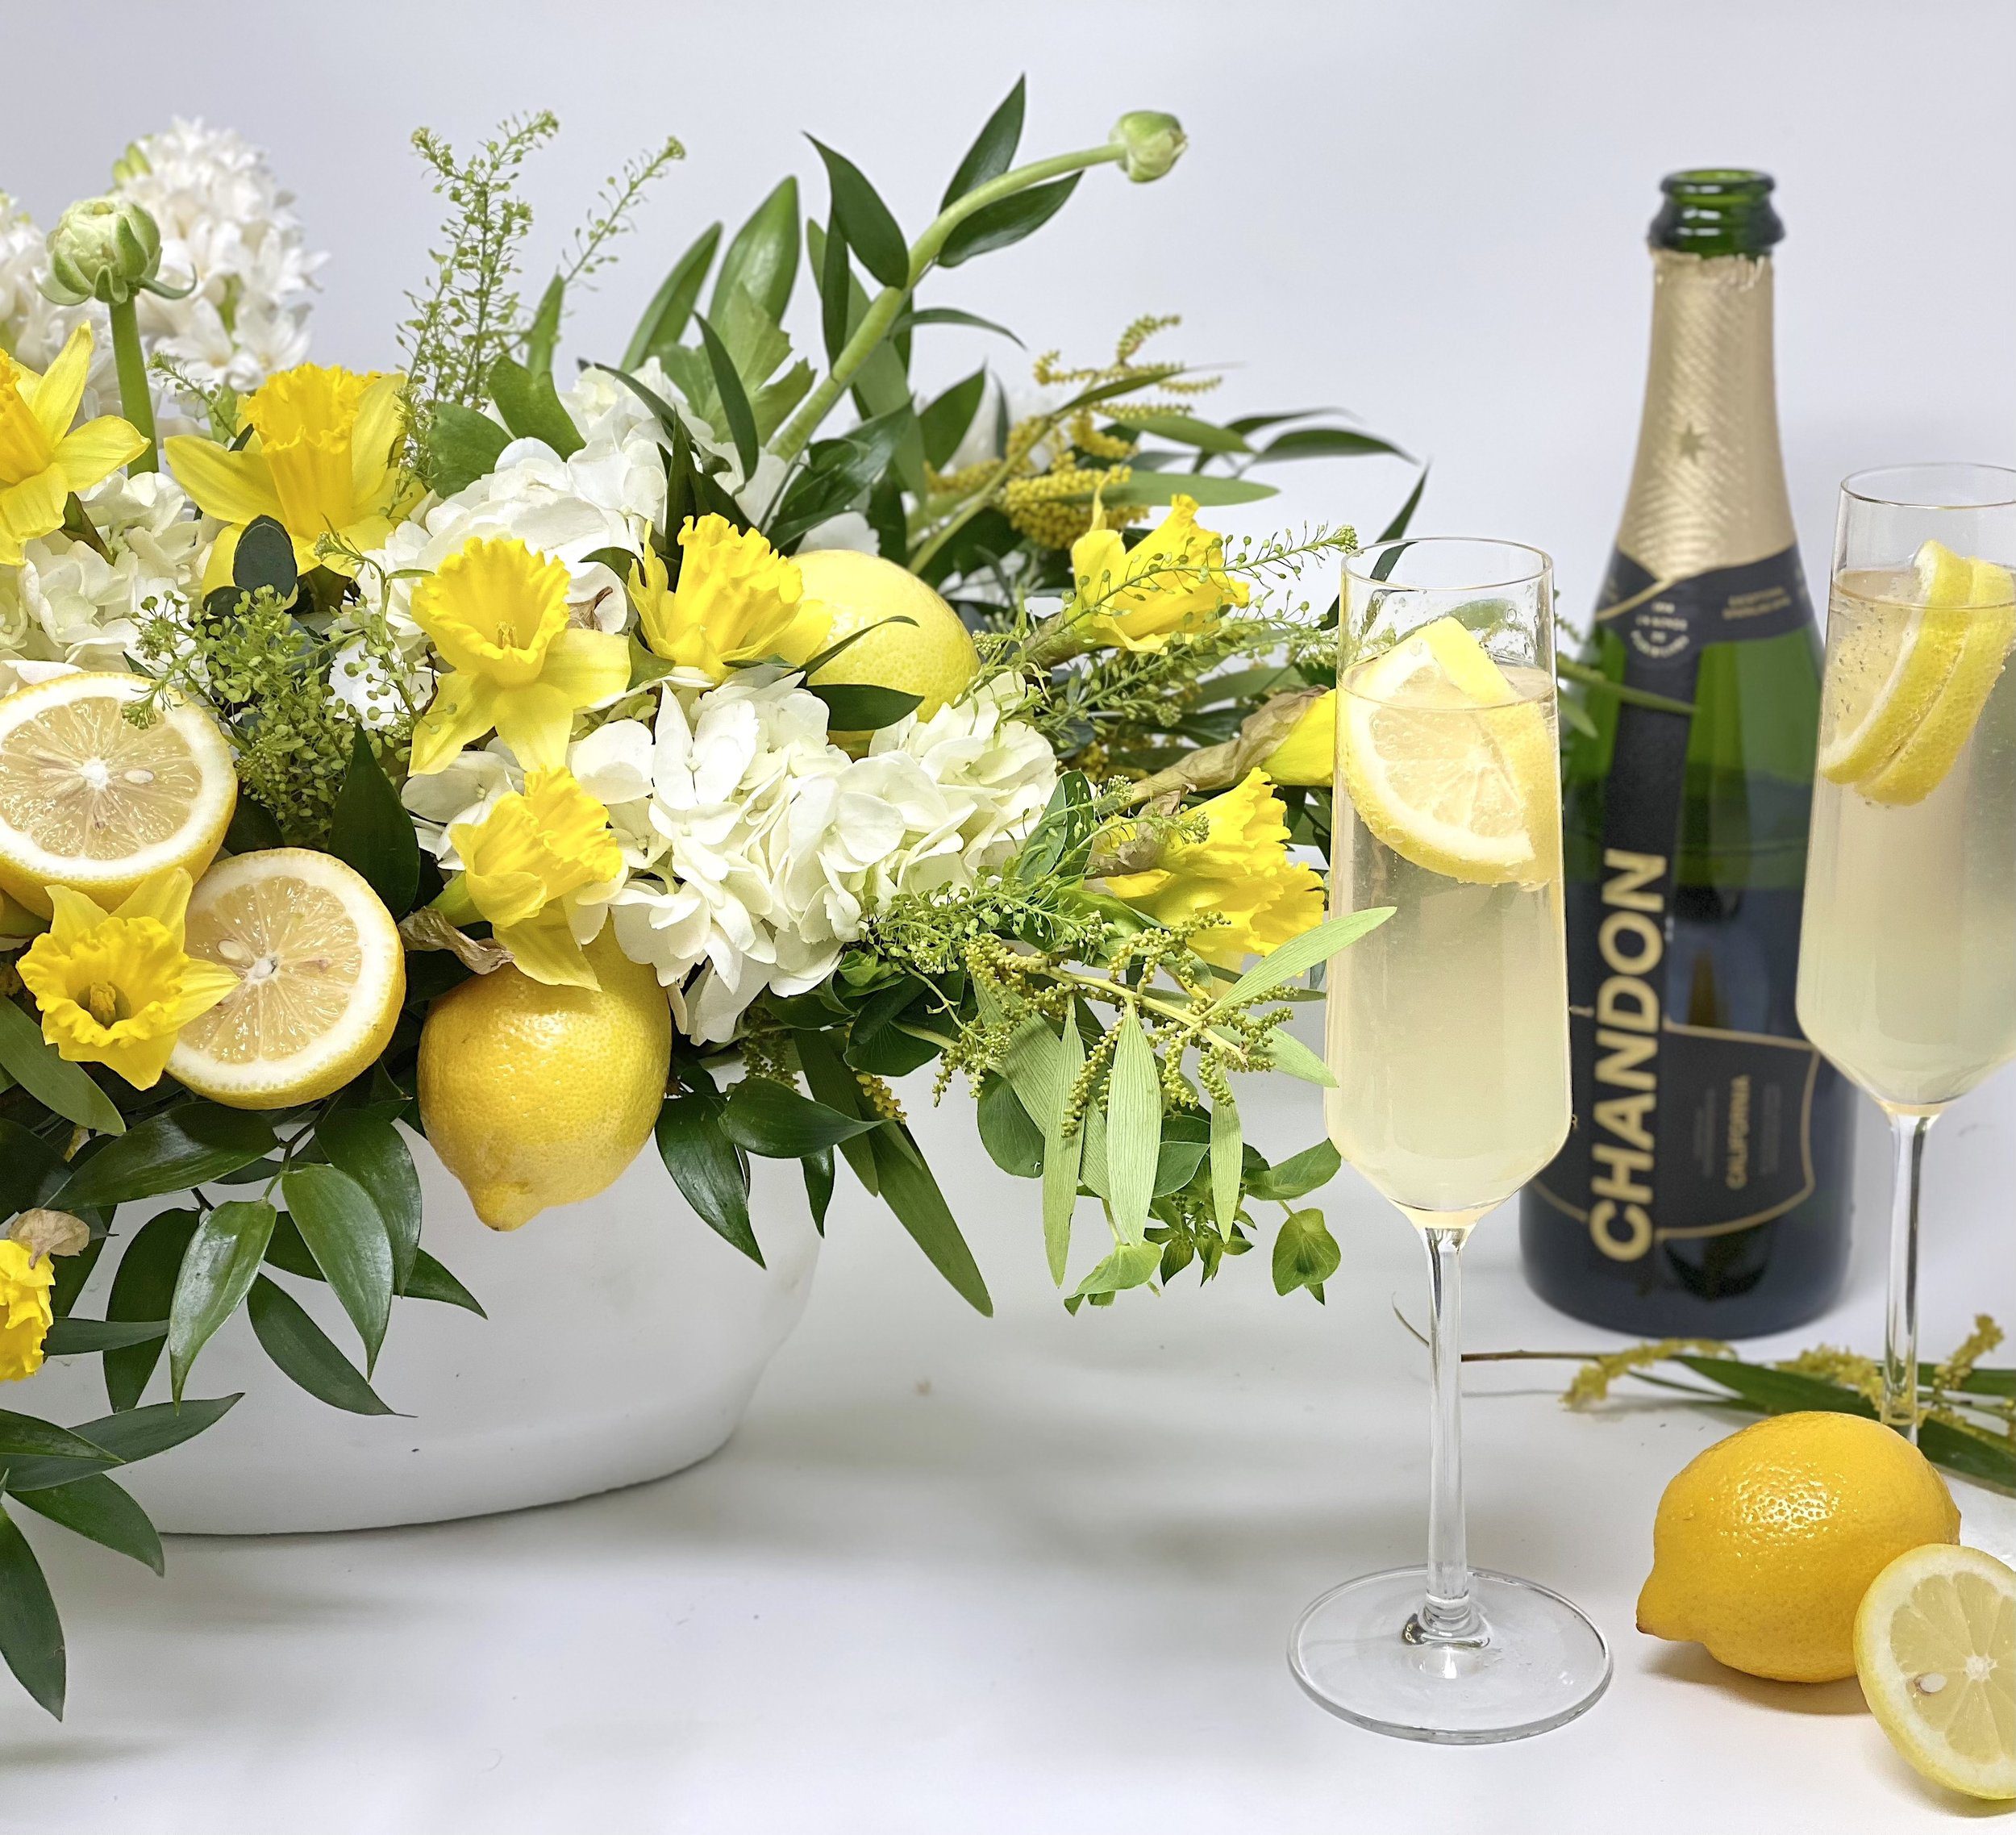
{"x":1765,"y":1545}
{"x":92,"y":799}
{"x":1935,"y":1648}
{"x":321,"y":978}
{"x":535,"y":1096}
{"x":932,"y":655}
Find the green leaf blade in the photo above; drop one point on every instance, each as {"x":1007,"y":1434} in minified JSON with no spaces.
{"x":64,"y":1088}
{"x":870,"y":226}
{"x":734,"y":399}
{"x":370,"y":830}
{"x":347,"y":1238}
{"x":1134,"y":1128}
{"x":762,"y":1116}
{"x":370,"y":1149}
{"x":763,"y":258}
{"x":289,"y":1336}
{"x":169,"y":1151}
{"x":1007,"y":221}
{"x":704,"y":1165}
{"x":97,"y":1508}
{"x":222,"y":1258}
{"x":31,"y":1633}
{"x":1299,"y":954}
{"x":664,"y":318}
{"x":994,"y":148}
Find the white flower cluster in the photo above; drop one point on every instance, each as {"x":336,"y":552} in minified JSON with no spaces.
{"x":755,"y":848}
{"x":68,"y":605}
{"x":226,"y":225}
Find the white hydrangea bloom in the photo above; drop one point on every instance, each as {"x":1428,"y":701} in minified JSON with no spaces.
{"x":67,"y":603}
{"x":32,"y":327}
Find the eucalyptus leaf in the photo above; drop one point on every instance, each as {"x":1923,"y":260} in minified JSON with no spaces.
{"x":1305,"y":1254}
{"x":293,"y":1340}
{"x":216,"y":1273}
{"x":65,"y":1089}
{"x":264,"y":559}
{"x":347,"y":1236}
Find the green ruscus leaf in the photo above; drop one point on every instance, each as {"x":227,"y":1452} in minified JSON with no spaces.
{"x":30,"y":1633}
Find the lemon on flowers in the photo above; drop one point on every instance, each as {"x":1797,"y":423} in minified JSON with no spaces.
{"x":1935,"y":1648}
{"x":92,"y":801}
{"x":320,"y":977}
{"x":932,"y":655}
{"x":535,"y":1095}
{"x":1765,"y":1545}
{"x":1449,"y":759}
{"x":1909,"y":679}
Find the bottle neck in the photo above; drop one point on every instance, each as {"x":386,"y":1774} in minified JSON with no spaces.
{"x":1708,"y":488}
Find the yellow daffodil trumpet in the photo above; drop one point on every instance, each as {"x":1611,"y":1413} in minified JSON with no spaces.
{"x":1238,"y":870}
{"x":25,"y":1311}
{"x":521,"y":866}
{"x":738,"y":601}
{"x":117,"y":988}
{"x":322,"y":461}
{"x":1174,"y":581}
{"x":497,"y":614}
{"x":43,"y":459}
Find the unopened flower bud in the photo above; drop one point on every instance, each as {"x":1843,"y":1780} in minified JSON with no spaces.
{"x":103,"y":248}
{"x":130,"y":164}
{"x":1151,"y":143}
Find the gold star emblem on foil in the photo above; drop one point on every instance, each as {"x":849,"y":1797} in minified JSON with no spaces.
{"x":1692,"y":442}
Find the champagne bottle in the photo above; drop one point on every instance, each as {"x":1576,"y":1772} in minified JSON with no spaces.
{"x":1704,"y":1188}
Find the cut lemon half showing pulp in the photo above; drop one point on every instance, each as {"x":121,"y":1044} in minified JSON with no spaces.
{"x":321,"y":975}
{"x":91,"y":800}
{"x":1449,"y":760}
{"x":1909,"y":676}
{"x":1935,"y":1648}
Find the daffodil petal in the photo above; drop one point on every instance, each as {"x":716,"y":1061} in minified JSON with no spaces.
{"x":34,"y":506}
{"x":544,"y":949}
{"x":164,"y":898}
{"x":376,"y":427}
{"x":463,"y":710}
{"x":506,"y":898}
{"x":97,"y":449}
{"x":234,"y":487}
{"x":54,"y":396}
{"x":73,"y":914}
{"x":587,"y":666}
{"x":140,"y":1062}
{"x":534,"y":721}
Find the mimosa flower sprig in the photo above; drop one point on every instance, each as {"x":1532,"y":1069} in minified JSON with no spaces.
{"x":1967,"y":1411}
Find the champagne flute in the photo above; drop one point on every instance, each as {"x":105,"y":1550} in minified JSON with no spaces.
{"x":1907,"y":956}
{"x":1448,"y":1036}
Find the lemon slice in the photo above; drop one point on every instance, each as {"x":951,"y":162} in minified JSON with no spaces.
{"x":321,"y":975}
{"x":90,"y":800}
{"x":1935,"y":1648}
{"x":1907,"y":684}
{"x":1449,"y":761}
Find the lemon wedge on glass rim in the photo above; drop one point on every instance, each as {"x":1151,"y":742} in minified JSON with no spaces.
{"x":321,"y":978}
{"x":1446,"y":763}
{"x":1906,"y":686}
{"x":90,"y":799}
{"x":1935,"y":1648}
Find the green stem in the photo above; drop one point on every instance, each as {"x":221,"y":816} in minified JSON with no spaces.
{"x":135,"y":399}
{"x":1603,"y":684}
{"x":882,"y":313}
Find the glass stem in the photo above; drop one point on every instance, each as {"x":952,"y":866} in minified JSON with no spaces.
{"x":1900,"y":1323}
{"x":1447,"y":1614}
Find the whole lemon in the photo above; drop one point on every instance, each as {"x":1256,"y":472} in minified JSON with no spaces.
{"x":932,"y":655}
{"x":1765,"y":1545}
{"x":534,"y":1095}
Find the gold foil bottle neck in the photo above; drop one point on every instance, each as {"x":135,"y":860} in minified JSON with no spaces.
{"x":1708,"y":489}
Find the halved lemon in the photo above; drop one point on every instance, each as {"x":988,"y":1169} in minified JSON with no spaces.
{"x":1448,"y":760}
{"x":1906,"y":682}
{"x":90,"y":800}
{"x":1935,"y":1648}
{"x":321,"y":975}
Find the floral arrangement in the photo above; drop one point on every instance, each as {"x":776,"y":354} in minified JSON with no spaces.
{"x":549,"y":764}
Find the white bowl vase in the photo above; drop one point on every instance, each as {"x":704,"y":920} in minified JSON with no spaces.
{"x":623,"y":1340}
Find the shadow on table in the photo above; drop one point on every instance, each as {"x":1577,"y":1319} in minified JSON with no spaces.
{"x":1691,"y":1663}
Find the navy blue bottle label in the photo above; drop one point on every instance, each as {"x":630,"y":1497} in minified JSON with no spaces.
{"x":1693,"y":1088}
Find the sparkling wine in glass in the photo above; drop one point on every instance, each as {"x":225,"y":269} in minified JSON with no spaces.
{"x":1448,"y":1036}
{"x":1907,"y":960}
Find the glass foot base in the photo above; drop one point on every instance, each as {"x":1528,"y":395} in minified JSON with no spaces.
{"x":1539,"y":1664}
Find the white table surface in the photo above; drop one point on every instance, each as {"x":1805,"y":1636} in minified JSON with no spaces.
{"x":1032,"y":1574}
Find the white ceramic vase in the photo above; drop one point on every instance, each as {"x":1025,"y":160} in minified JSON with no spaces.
{"x":623,"y":1340}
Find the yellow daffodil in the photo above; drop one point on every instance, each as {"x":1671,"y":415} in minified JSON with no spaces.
{"x":43,"y":458}
{"x":521,"y":866}
{"x":497,"y":614}
{"x":1137,"y":598}
{"x":115,"y":989}
{"x":1308,"y":753}
{"x":1240,"y":869}
{"x":25,"y":1313}
{"x":321,"y":460}
{"x":738,"y":601}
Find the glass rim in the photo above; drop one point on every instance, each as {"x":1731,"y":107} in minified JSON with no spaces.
{"x":1862,"y":486}
{"x":1355,"y":565}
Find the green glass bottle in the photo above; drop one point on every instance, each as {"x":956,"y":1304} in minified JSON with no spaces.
{"x":1704,"y":1188}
